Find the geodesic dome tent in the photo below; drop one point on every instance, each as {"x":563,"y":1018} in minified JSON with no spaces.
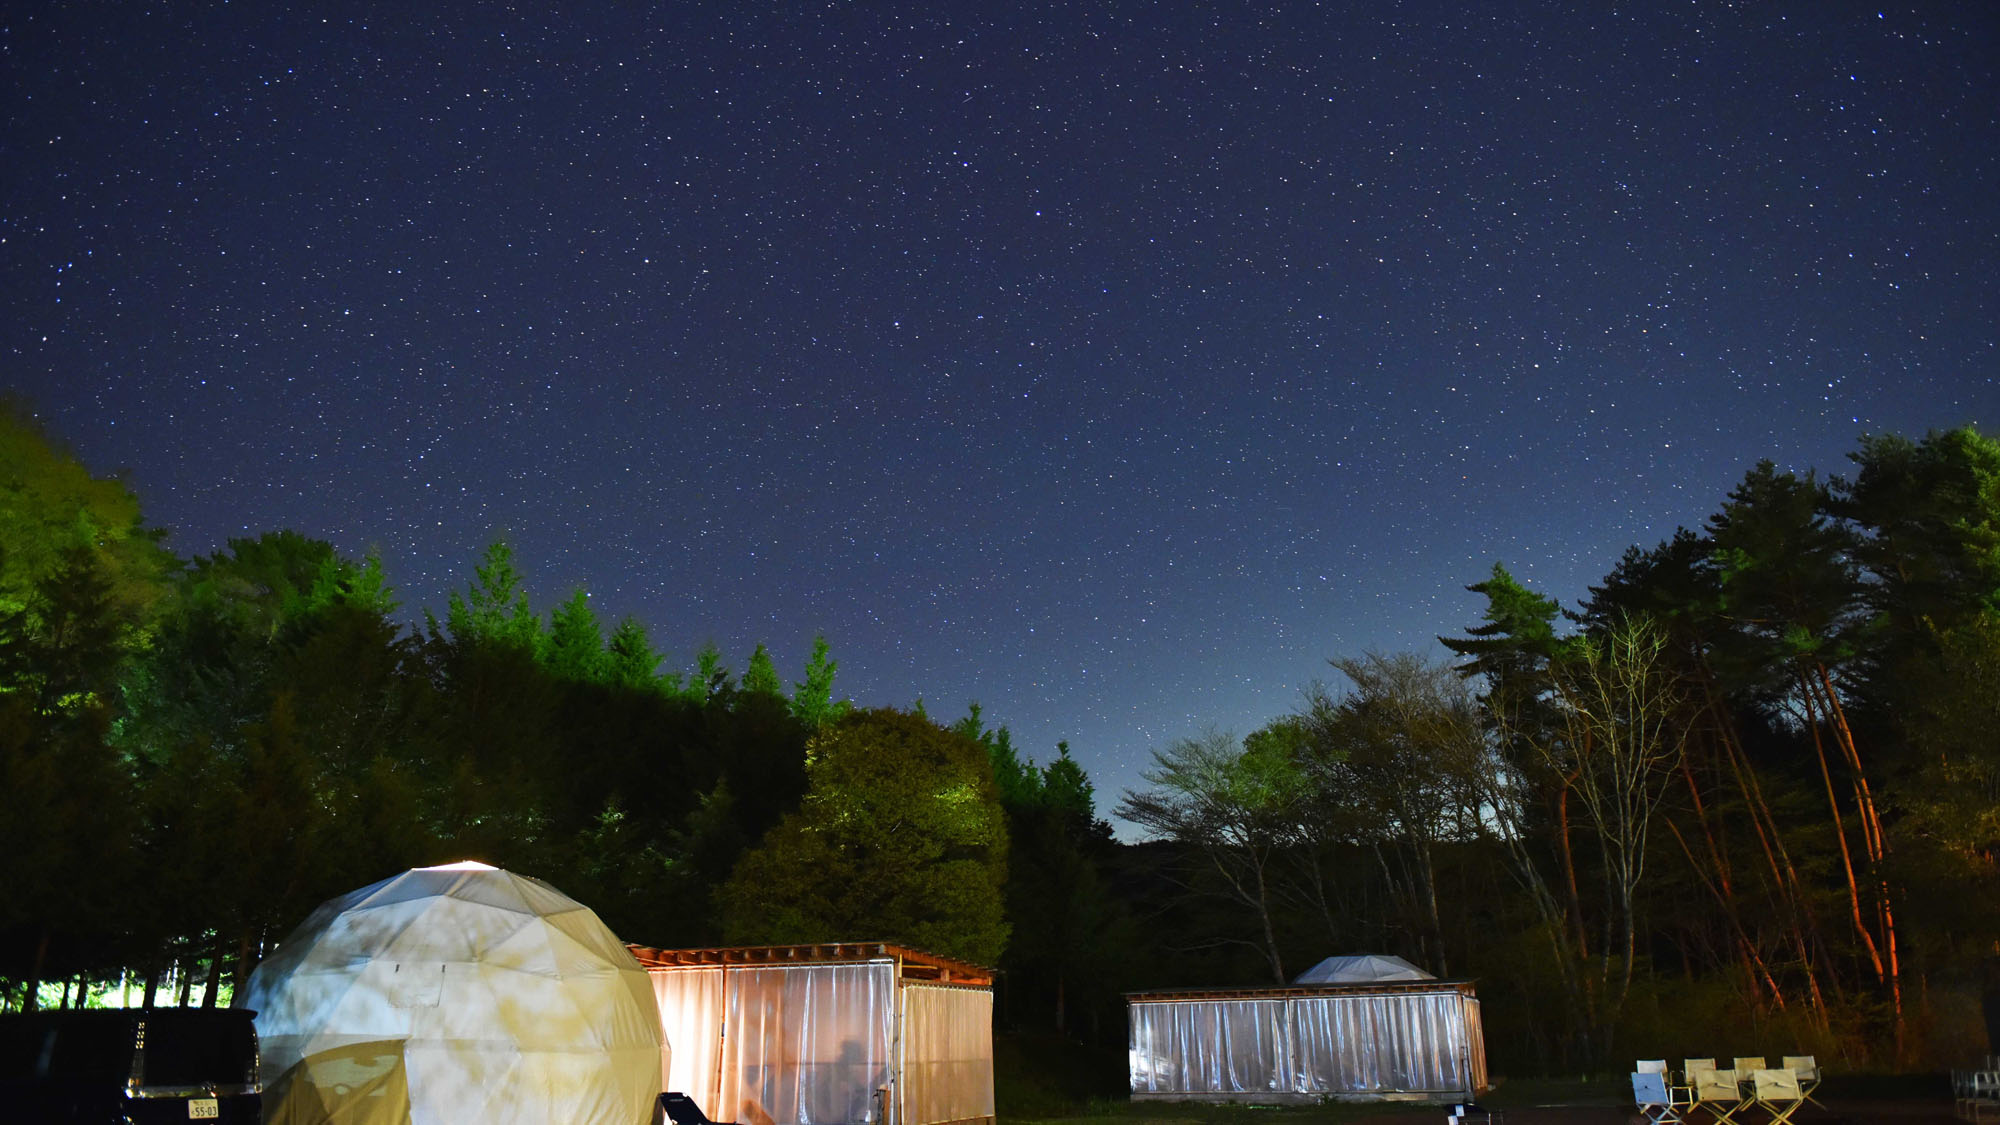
{"x":449,"y":994}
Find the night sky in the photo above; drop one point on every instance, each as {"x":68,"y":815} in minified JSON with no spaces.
{"x":1114,"y":365}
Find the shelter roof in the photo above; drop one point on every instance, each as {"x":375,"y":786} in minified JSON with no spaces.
{"x":1272,"y":992}
{"x":912,"y":964}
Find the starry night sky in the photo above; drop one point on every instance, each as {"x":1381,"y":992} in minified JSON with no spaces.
{"x":1113,"y":365}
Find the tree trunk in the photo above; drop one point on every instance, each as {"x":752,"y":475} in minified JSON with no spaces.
{"x":214,"y":983}
{"x":1840,"y":833}
{"x":32,"y":999}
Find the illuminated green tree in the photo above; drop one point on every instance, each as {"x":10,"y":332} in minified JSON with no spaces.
{"x":900,"y":837}
{"x":50,"y":504}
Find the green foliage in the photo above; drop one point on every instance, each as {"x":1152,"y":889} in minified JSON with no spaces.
{"x":761,"y":676}
{"x":629,"y":659}
{"x":711,"y":678}
{"x":899,"y":837}
{"x":812,"y":698}
{"x":51,"y":508}
{"x":495,"y":608}
{"x":1515,"y":636}
{"x":573,"y":646}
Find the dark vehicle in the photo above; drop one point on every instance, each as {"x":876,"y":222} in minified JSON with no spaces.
{"x":120,"y":1065}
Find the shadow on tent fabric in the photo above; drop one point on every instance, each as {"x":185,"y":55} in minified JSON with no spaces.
{"x":358,"y":1084}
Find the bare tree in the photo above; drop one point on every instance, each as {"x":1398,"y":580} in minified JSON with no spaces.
{"x":1611,"y":737}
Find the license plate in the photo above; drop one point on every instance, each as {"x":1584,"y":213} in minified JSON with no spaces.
{"x":203,"y":1109}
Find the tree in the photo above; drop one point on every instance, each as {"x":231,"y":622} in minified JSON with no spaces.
{"x":900,"y":835}
{"x":629,"y":658}
{"x":812,"y":697}
{"x":1624,"y":729}
{"x":1767,"y":911}
{"x":273,"y":725}
{"x":1068,"y":934}
{"x":573,"y":647}
{"x":1391,"y":763}
{"x":50,"y":505}
{"x":64,"y":843}
{"x":81,"y":579}
{"x":1234,"y":805}
{"x":1791,"y":590}
{"x":495,"y":607}
{"x":761,"y":676}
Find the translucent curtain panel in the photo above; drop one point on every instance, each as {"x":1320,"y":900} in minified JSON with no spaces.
{"x":807,"y":1045}
{"x":1369,"y":1044}
{"x":691,"y":1013}
{"x":947,"y":1071}
{"x":1382,"y":1044}
{"x":1209,"y":1047}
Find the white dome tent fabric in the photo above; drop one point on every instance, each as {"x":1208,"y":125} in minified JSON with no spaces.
{"x":460,"y":993}
{"x":1361,"y":968}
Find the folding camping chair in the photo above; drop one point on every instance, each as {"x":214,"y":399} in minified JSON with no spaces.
{"x":1978,"y":1095}
{"x":1777,"y":1093}
{"x":1692,"y":1067}
{"x":1656,"y":1099}
{"x":1717,"y":1092}
{"x":1808,"y":1072}
{"x":675,"y":1108}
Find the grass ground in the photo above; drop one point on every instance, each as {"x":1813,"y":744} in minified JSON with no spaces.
{"x":1053,"y":1081}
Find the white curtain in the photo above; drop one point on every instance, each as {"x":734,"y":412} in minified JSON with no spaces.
{"x":691,"y":1025}
{"x":1408,"y":1042}
{"x":1209,"y":1047}
{"x":947,"y":1071}
{"x":808,"y":1045}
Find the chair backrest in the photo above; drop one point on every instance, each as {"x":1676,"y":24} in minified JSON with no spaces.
{"x":1776,"y":1085}
{"x":1748,"y":1062}
{"x":1651,"y":1066}
{"x":1649,"y":1087}
{"x":1692,"y":1067}
{"x":1713,"y":1085}
{"x":1803,"y":1066}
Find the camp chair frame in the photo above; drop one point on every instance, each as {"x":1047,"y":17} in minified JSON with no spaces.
{"x":1777,"y":1093}
{"x":1807,"y":1069}
{"x":1717,"y":1091}
{"x":1654,"y":1096}
{"x":1979,"y":1093}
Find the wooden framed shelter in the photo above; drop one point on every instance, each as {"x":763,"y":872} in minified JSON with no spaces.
{"x":839,"y":1033}
{"x":1403,"y":1040}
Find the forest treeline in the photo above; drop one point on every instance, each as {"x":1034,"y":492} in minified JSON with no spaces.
{"x":195,"y":753}
{"x":1744,"y":797}
{"x":1745,"y":793}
